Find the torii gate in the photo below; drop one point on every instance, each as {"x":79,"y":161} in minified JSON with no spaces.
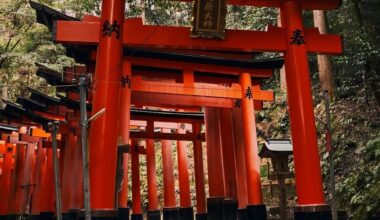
{"x":111,"y":33}
{"x":181,"y":91}
{"x":214,"y":174}
{"x":38,"y":172}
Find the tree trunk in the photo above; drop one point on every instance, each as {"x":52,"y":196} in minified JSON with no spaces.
{"x":327,"y":86}
{"x":4,"y":95}
{"x":143,"y":15}
{"x":324,"y":64}
{"x":282,"y":70}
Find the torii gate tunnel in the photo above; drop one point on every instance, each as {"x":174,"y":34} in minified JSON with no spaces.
{"x":230,"y":126}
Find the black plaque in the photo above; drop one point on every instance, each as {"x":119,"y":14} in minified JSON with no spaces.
{"x":209,"y":19}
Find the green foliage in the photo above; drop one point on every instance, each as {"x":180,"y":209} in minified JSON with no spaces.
{"x":250,"y":18}
{"x":358,"y":67}
{"x":273,"y":120}
{"x":22,"y":44}
{"x":360,"y":191}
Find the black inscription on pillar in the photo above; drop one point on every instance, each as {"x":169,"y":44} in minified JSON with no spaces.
{"x":126,"y":81}
{"x":248,"y":93}
{"x":9,"y":149}
{"x":297,"y":38}
{"x":182,"y":126}
{"x":73,"y":130}
{"x":237,"y":103}
{"x":109,"y":28}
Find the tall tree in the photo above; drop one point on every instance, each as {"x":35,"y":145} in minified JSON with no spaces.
{"x":324,"y":64}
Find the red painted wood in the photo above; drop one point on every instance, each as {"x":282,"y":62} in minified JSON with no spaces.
{"x":77,"y":194}
{"x":197,"y":89}
{"x":67,"y":171}
{"x":39,"y":174}
{"x":125,"y":105}
{"x":305,"y":148}
{"x":178,"y":37}
{"x":168,"y":173}
{"x":104,"y":130}
{"x":183,"y":172}
{"x":214,"y":153}
{"x":252,"y":159}
{"x":5,"y":181}
{"x":199,"y":171}
{"x":47,"y":196}
{"x":24,"y":165}
{"x":219,"y":69}
{"x":136,"y":194}
{"x":16,"y":179}
{"x":227,"y":142}
{"x":151,"y":175}
{"x":27,"y":181}
{"x":239,"y":148}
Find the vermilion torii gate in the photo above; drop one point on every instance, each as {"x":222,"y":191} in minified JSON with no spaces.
{"x":218,"y":194}
{"x":111,"y":34}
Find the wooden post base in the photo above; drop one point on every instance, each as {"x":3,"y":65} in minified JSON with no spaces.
{"x":99,"y":214}
{"x":202,"y":216}
{"x":123,"y":213}
{"x":170,"y":214}
{"x":46,"y":216}
{"x":256,"y":212}
{"x":31,"y":217}
{"x":186,"y":213}
{"x":11,"y":217}
{"x":153,"y":215}
{"x":137,"y":217}
{"x":230,"y":209}
{"x":215,"y":208}
{"x":242,"y":214}
{"x":322,"y":212}
{"x":72,"y":214}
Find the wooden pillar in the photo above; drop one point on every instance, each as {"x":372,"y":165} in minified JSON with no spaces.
{"x":183,"y":172}
{"x":215,"y":165}
{"x":199,"y":174}
{"x":239,"y":148}
{"x":67,"y":171}
{"x":123,"y":209}
{"x":77,"y":194}
{"x":168,"y":175}
{"x":151,"y":174}
{"x":136,"y":193}
{"x":123,"y":193}
{"x":2,"y":150}
{"x":27,"y":182}
{"x":185,"y":210}
{"x":5,"y":181}
{"x":104,"y":130}
{"x":170,"y":210}
{"x":16,"y":180}
{"x":125,"y":105}
{"x":256,"y":208}
{"x":229,"y":164}
{"x":311,"y":201}
{"x":153,"y":211}
{"x":39,"y":173}
{"x":46,"y":196}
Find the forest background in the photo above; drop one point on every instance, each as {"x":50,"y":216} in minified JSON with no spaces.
{"x":356,"y":75}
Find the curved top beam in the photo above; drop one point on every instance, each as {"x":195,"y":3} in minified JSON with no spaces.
{"x":47,"y":15}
